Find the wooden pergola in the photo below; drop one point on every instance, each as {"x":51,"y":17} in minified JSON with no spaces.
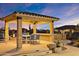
{"x":31,"y":18}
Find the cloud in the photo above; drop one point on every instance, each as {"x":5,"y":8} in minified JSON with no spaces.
{"x":70,"y":11}
{"x":28,"y":4}
{"x":1,"y":24}
{"x":47,"y":11}
{"x":73,"y":21}
{"x":70,"y":16}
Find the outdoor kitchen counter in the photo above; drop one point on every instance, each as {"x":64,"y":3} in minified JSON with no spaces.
{"x":45,"y":37}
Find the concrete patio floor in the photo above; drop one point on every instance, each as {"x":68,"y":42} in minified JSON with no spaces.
{"x":9,"y":49}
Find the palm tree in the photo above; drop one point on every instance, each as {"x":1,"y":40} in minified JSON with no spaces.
{"x":30,"y":30}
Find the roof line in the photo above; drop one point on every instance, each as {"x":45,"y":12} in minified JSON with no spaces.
{"x":31,"y":13}
{"x":35,"y":14}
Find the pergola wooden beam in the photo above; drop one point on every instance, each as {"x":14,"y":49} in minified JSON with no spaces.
{"x":6,"y":31}
{"x":51,"y":31}
{"x":19,"y":32}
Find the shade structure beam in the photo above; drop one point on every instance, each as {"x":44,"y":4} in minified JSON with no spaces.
{"x":34,"y":28}
{"x":6,"y":31}
{"x":19,"y":32}
{"x":51,"y":31}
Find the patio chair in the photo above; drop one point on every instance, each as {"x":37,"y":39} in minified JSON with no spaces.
{"x":34,"y":39}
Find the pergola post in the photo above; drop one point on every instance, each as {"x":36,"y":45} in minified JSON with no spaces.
{"x":34,"y":28}
{"x":51,"y":31}
{"x":19,"y":32}
{"x":6,"y":32}
{"x":51,"y":28}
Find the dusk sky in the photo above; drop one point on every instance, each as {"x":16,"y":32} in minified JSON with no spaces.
{"x":68,"y":13}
